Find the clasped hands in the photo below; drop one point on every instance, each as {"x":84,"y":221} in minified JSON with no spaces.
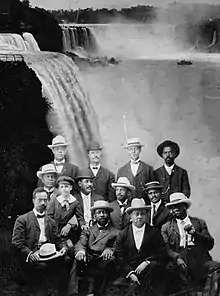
{"x":138,"y":270}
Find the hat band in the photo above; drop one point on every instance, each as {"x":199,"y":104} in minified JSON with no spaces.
{"x":183,"y":200}
{"x":60,"y":143}
{"x":134,"y":143}
{"x":47,"y":256}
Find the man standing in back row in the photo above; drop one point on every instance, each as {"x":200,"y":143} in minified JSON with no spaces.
{"x":138,"y":172}
{"x":172,"y":177}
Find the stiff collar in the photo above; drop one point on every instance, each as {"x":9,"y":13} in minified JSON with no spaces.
{"x":70,"y":199}
{"x":136,"y":161}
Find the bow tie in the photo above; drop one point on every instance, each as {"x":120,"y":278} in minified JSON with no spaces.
{"x":122,"y":206}
{"x":39,"y":216}
{"x":95,"y":168}
{"x":136,"y":161}
{"x":59,"y":163}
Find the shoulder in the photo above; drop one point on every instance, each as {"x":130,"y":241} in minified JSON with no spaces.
{"x":146,"y":166}
{"x":124,"y":167}
{"x":114,"y":230}
{"x":159,"y":169}
{"x":24,"y":217}
{"x":96,"y":196}
{"x":196,"y":220}
{"x":72,"y":166}
{"x":167,"y":225}
{"x":105,"y":170}
{"x":178,"y":168}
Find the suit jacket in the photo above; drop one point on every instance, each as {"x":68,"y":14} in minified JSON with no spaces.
{"x":178,"y":181}
{"x":102,"y":184}
{"x":202,"y":239}
{"x":161,"y":216}
{"x":119,"y":220}
{"x":26,"y":234}
{"x":152,"y":248}
{"x":144,"y":175}
{"x":94,"y":241}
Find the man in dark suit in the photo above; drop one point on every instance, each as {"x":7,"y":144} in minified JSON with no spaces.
{"x":103,"y":178}
{"x":159,"y":214}
{"x":94,"y":251}
{"x":172,"y":177}
{"x":140,"y":252}
{"x":123,"y":190}
{"x":138,"y":172}
{"x":31,"y":231}
{"x":188,"y":243}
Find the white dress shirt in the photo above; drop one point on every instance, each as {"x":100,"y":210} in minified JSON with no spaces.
{"x":169,"y":169}
{"x":59,"y":165}
{"x":134,"y":166}
{"x":185,"y":238}
{"x":95,"y":171}
{"x":42,"y":237}
{"x":154,"y":208}
{"x":138,"y":235}
{"x":86,"y":206}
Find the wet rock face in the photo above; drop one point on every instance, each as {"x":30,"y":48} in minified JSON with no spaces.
{"x":23,"y":134}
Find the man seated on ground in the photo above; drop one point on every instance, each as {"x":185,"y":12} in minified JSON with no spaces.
{"x":30,"y":234}
{"x":48,"y":175}
{"x":188,"y":243}
{"x":140,"y":253}
{"x":123,"y":189}
{"x":159,"y":214}
{"x":94,"y":251}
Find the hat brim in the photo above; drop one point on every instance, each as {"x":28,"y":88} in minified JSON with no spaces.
{"x":131,"y":209}
{"x":153,"y":187}
{"x":131,"y":187}
{"x":84,"y":177}
{"x":132,"y":145}
{"x":187,"y":202}
{"x":58,"y":254}
{"x":110,"y":209}
{"x":58,"y":145}
{"x":168,"y":143}
{"x":40,"y":174}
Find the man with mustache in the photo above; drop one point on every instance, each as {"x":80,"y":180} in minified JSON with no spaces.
{"x":103,"y":178}
{"x":188,"y":243}
{"x":172,"y":177}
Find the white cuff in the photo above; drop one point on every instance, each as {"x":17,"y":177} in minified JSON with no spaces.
{"x":27,"y":259}
{"x":130,"y":274}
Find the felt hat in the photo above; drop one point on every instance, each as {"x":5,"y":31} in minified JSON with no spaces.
{"x":123,"y":182}
{"x":84,"y":174}
{"x":48,"y":252}
{"x":93,"y":145}
{"x":178,"y":198}
{"x":46,"y":169}
{"x":58,"y":141}
{"x":152,"y":185}
{"x":168,"y":143}
{"x":132,"y":142}
{"x":137,"y":204}
{"x":101,"y":204}
{"x":65,"y":179}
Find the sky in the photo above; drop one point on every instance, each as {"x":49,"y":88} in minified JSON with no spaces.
{"x":75,"y":4}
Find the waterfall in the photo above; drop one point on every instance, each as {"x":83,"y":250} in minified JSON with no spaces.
{"x":72,"y":113}
{"x":85,"y":38}
{"x":30,"y":42}
{"x":12,"y":42}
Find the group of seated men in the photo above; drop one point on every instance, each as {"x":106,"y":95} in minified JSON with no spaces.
{"x":88,"y":228}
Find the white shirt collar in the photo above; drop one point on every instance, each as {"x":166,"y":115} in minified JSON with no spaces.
{"x":122,"y":204}
{"x":98,"y":166}
{"x":169,"y":169}
{"x":70,"y":199}
{"x":84,"y":195}
{"x":156,"y":204}
{"x":59,"y":162}
{"x":137,"y":161}
{"x":186,"y":220}
{"x":136,"y":229}
{"x":49,"y":190}
{"x":37,"y":213}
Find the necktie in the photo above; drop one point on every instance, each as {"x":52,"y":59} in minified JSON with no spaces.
{"x":39,"y":216}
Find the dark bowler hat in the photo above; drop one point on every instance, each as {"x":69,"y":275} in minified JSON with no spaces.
{"x":168,"y":143}
{"x":65,"y":179}
{"x":84,"y":174}
{"x":93,"y":145}
{"x":152,"y":185}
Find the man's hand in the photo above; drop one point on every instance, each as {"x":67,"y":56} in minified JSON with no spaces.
{"x":84,"y":227}
{"x":81,"y":256}
{"x":134,"y":278}
{"x":34,"y":257}
{"x":181,"y":263}
{"x":141,"y":267}
{"x":107,"y":254}
{"x":65,"y":230}
{"x":63,"y":251}
{"x":189,"y":229}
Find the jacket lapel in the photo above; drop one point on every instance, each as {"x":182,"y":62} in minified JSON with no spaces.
{"x":64,"y":168}
{"x":100,"y":234}
{"x":34,"y":220}
{"x":140,"y":168}
{"x":130,"y":175}
{"x":47,"y":228}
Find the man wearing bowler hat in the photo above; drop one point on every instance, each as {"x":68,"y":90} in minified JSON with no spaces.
{"x":103,"y":178}
{"x":138,"y":172}
{"x":159,"y":214}
{"x":140,"y":252}
{"x":123,"y":190}
{"x":94,"y":250}
{"x":171,"y":176}
{"x":188,"y":243}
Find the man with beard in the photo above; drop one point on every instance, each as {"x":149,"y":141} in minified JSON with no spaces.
{"x":103,"y":178}
{"x":94,"y":251}
{"x":123,"y":189}
{"x":172,"y":177}
{"x":138,"y":172}
{"x":188,"y":243}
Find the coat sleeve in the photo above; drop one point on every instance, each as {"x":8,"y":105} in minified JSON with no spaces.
{"x":152,"y":175}
{"x":60,"y":242}
{"x":79,"y":214}
{"x":81,"y":245}
{"x":164,"y":231}
{"x":51,"y":208}
{"x":111,"y":192}
{"x":203,"y":237}
{"x":185,"y":184}
{"x":18,"y":237}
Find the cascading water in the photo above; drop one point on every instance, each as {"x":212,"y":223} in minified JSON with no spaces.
{"x":31,"y":43}
{"x":12,"y":42}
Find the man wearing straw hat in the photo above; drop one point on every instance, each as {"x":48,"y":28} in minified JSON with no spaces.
{"x":159,"y":214}
{"x":94,"y":250}
{"x":138,"y":172}
{"x":171,"y":176}
{"x":140,"y":252}
{"x":188,"y":243}
{"x":123,"y":190}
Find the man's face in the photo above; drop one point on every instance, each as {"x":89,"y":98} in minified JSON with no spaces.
{"x":154,"y":195}
{"x":168,"y":155}
{"x":122,"y":193}
{"x":134,"y":152}
{"x":49,"y":179}
{"x":40,"y":201}
{"x":95,"y":156}
{"x":59,"y":152}
{"x":65,"y":188}
{"x":86,"y":186}
{"x":101,"y":216}
{"x":179,"y":211}
{"x":139,"y":217}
